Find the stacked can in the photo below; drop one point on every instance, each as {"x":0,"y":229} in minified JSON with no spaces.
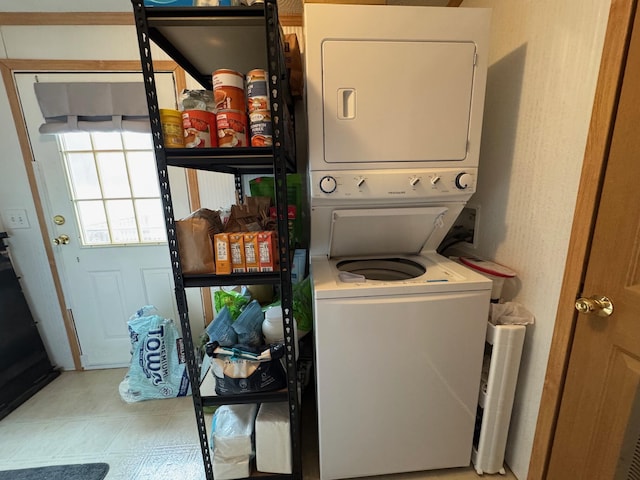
{"x":259,"y":109}
{"x":200,"y":129}
{"x":229,"y":97}
{"x":171,"y":123}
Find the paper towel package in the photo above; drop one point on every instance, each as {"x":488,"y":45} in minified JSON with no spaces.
{"x":230,"y":468}
{"x":232,"y":428}
{"x":273,"y":444}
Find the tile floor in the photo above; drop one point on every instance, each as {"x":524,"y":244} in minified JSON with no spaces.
{"x":80,"y":418}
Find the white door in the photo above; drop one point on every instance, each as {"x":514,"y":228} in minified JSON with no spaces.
{"x":102,"y":189}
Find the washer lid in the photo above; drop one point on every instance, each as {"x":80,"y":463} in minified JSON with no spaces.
{"x":385,"y":231}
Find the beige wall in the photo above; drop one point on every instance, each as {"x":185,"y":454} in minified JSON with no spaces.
{"x":544,"y":60}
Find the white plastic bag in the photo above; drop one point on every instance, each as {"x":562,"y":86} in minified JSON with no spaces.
{"x":232,"y":428}
{"x":510,"y":313}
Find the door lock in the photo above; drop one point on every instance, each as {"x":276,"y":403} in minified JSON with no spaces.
{"x":61,"y":240}
{"x":595,"y":305}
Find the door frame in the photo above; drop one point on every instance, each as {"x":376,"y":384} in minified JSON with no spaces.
{"x":607,"y":94}
{"x":7,"y":69}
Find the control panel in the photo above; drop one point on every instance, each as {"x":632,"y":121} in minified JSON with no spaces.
{"x":425,"y":184}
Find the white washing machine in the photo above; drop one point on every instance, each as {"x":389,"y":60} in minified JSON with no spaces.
{"x":399,"y":335}
{"x":394,"y":101}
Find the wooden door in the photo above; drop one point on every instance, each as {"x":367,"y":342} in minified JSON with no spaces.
{"x":598,"y":428}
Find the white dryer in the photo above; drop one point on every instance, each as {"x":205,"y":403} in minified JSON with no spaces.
{"x":394,"y":103}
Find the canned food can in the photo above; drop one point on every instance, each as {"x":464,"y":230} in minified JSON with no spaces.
{"x":228,"y":90}
{"x":200,"y":130}
{"x":257,"y":90}
{"x":261,"y":130}
{"x":171,"y":123}
{"x":232,"y":128}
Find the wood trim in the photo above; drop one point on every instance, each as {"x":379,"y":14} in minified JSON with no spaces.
{"x":350,"y":2}
{"x":454,"y":3}
{"x":25,"y":147}
{"x":596,"y":152}
{"x":87,"y":65}
{"x":67,"y":18}
{"x":193,"y":187}
{"x":7,"y":69}
{"x":95,"y":18}
{"x":291,"y":20}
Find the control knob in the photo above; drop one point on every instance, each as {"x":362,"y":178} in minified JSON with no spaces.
{"x":413,"y":181}
{"x":328,"y":184}
{"x":463,"y":180}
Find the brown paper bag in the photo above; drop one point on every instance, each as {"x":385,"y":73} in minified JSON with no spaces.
{"x":293,"y":62}
{"x":195,"y":240}
{"x":250,"y":216}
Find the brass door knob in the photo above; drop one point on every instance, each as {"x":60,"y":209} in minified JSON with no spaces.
{"x":596,"y":305}
{"x":61,"y":240}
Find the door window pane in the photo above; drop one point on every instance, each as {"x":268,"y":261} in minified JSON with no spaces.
{"x":83,"y":177}
{"x":137,"y":141}
{"x":77,"y":141}
{"x":114,"y":187}
{"x":122,"y":221}
{"x":106,"y":140}
{"x":93,"y":223}
{"x":113,"y":175}
{"x":151,"y":221}
{"x":143,"y":174}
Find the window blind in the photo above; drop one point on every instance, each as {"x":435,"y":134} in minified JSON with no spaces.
{"x":96,"y":107}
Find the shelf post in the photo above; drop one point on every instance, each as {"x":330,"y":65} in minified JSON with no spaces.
{"x":193,"y":363}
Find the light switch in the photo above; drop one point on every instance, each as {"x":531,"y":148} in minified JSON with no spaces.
{"x":14,"y":218}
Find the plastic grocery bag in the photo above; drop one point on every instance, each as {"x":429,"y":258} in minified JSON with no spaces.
{"x":232,"y":430}
{"x":510,"y":313}
{"x":220,"y":329}
{"x":158,"y":364}
{"x":234,"y":301}
{"x":303,"y":305}
{"x":248,"y":325}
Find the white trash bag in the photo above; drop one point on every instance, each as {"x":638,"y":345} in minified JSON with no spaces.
{"x":510,"y":313}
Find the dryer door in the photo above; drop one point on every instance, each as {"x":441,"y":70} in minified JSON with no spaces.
{"x":396,"y":101}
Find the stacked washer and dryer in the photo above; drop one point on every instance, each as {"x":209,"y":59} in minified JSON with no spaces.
{"x":395,"y":98}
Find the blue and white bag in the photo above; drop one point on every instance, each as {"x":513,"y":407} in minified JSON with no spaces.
{"x":158,"y":363}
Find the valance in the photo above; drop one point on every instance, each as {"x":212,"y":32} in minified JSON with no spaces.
{"x":101,"y":107}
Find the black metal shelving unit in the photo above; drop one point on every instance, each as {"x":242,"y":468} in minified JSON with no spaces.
{"x":202,"y":40}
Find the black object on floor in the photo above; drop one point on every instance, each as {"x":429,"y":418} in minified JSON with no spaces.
{"x":86,"y":471}
{"x":25,"y":367}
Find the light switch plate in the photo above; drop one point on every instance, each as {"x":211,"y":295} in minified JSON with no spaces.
{"x":16,"y":218}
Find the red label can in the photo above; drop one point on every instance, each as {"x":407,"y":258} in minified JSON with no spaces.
{"x":200,"y":130}
{"x":232,"y":128}
{"x":228,"y":90}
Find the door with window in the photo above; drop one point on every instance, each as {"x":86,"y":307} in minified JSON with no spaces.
{"x":104,"y":214}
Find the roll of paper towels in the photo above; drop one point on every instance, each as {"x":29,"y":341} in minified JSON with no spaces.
{"x":273,"y":438}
